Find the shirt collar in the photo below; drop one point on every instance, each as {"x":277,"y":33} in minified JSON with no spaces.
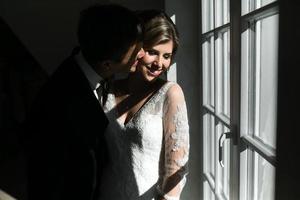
{"x":93,"y":78}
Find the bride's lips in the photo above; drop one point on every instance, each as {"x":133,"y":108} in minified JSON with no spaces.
{"x":153,"y":72}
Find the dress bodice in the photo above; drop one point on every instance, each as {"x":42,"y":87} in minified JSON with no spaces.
{"x":137,"y":149}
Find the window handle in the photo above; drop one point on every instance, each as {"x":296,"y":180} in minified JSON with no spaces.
{"x":221,"y":146}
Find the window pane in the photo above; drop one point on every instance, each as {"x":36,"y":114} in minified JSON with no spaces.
{"x":221,"y":12}
{"x":245,"y":6}
{"x":264,"y":179}
{"x":212,"y":143}
{"x":245,"y":81}
{"x":251,"y":5}
{"x":208,"y":72}
{"x":205,"y":65}
{"x":267,"y":61}
{"x":261,"y":3}
{"x":212,"y":73}
{"x":226,"y":11}
{"x":209,"y":144}
{"x":225,"y":75}
{"x":207,"y":15}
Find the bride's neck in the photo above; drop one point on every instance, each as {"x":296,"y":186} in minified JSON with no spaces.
{"x":136,"y":85}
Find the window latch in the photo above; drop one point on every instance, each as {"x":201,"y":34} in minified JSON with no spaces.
{"x":222,"y":138}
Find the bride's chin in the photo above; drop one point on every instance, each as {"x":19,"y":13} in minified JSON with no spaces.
{"x":150,"y":79}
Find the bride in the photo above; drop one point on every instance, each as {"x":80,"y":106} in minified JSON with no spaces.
{"x":148,"y":134}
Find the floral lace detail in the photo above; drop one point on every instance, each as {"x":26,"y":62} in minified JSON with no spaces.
{"x":176,"y":132}
{"x":181,"y":137}
{"x":147,"y":150}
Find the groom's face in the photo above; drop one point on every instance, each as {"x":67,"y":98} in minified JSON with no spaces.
{"x":130,"y":59}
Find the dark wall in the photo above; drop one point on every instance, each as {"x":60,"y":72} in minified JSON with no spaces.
{"x":20,"y":79}
{"x":47,"y":28}
{"x":138,"y":4}
{"x":288,"y":151}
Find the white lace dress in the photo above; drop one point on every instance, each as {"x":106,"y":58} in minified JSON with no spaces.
{"x":148,"y":154}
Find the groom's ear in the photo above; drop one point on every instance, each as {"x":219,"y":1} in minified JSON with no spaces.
{"x":104,"y":65}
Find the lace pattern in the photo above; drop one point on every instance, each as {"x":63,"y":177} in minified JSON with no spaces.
{"x":176,"y":131}
{"x":149,"y":153}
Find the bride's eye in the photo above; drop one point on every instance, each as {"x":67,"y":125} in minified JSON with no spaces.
{"x":167,"y":56}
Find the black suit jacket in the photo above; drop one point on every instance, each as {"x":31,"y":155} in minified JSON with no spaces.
{"x":65,"y":138}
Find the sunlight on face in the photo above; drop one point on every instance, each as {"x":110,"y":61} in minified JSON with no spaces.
{"x":130,"y":60}
{"x":157,"y":59}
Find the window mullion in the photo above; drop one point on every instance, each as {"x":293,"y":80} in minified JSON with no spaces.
{"x":235,"y":85}
{"x":263,"y":12}
{"x":265,"y":151}
{"x":210,"y":180}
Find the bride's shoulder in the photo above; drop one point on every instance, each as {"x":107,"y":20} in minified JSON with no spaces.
{"x":174,"y":90}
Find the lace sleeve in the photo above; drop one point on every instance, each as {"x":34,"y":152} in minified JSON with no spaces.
{"x":176,"y":144}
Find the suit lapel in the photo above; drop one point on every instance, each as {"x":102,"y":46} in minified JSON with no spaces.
{"x":84,"y":109}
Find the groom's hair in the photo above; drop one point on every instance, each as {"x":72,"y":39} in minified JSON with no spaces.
{"x":105,"y":32}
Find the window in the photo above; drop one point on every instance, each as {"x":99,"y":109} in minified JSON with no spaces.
{"x":216,"y":98}
{"x":239,"y":63}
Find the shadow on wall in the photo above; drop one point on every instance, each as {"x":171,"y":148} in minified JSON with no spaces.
{"x":20,"y":79}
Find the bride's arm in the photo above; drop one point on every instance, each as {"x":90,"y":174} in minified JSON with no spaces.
{"x":176,"y":144}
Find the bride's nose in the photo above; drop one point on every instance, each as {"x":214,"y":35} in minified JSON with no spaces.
{"x":158,"y":62}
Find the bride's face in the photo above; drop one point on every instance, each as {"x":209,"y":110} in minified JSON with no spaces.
{"x":157,"y":59}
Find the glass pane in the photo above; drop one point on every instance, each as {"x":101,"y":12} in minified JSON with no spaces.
{"x":207,"y":15}
{"x":267,"y":61}
{"x":264,"y":179}
{"x":225,"y":75}
{"x":206,"y":142}
{"x":208,"y":72}
{"x":218,"y":13}
{"x":245,"y":6}
{"x":245,"y":81}
{"x":251,"y":5}
{"x":211,"y":71}
{"x":212,"y":143}
{"x":221,"y":12}
{"x":205,"y":65}
{"x":261,"y":3}
{"x":226,"y":11}
{"x":209,"y":144}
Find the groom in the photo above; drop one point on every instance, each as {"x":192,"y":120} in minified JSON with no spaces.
{"x":66,"y":145}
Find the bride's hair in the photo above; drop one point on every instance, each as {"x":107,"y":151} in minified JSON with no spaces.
{"x":158,"y":28}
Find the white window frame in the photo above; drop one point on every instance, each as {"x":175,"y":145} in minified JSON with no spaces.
{"x":242,"y":142}
{"x":248,"y":140}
